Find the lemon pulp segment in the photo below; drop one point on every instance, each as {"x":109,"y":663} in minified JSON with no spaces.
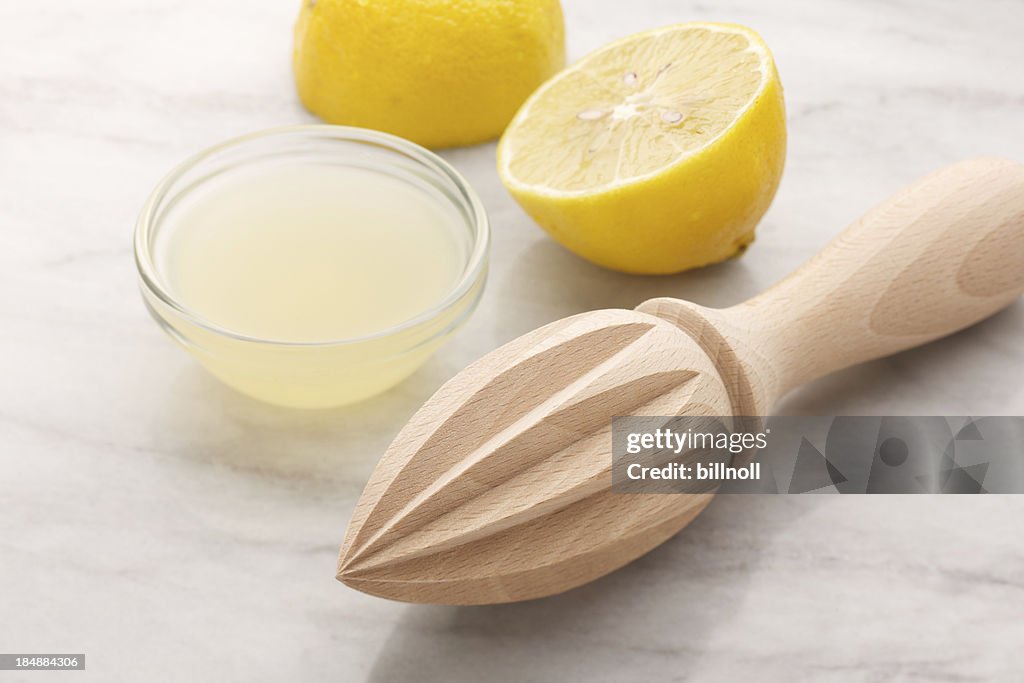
{"x":637,"y":107}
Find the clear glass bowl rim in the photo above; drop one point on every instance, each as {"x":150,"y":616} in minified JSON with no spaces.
{"x":474,"y":269}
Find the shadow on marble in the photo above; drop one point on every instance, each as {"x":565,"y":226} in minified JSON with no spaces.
{"x":207,"y":421}
{"x":549,"y":282}
{"x":662,"y":608}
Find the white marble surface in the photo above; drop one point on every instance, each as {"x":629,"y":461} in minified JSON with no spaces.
{"x":175,"y":531}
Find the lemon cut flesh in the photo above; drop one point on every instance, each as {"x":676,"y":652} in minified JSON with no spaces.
{"x":655,"y":154}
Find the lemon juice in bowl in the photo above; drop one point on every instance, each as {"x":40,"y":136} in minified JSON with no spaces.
{"x":312,"y":266}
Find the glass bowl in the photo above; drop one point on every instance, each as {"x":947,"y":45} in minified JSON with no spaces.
{"x":314,"y":374}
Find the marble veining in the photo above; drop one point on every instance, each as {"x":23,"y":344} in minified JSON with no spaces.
{"x":175,"y":531}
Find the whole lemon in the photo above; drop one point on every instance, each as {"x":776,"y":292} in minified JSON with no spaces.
{"x":441,"y":73}
{"x":655,"y":154}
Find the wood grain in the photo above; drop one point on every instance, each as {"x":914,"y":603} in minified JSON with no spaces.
{"x":510,"y":459}
{"x":941,"y":255}
{"x":498,"y":489}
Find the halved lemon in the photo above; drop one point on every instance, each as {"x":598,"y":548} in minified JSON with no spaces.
{"x":655,"y":154}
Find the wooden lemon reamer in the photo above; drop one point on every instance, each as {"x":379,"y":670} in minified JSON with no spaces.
{"x":498,"y":489}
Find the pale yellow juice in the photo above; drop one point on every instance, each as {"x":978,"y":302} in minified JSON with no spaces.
{"x":304,"y":256}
